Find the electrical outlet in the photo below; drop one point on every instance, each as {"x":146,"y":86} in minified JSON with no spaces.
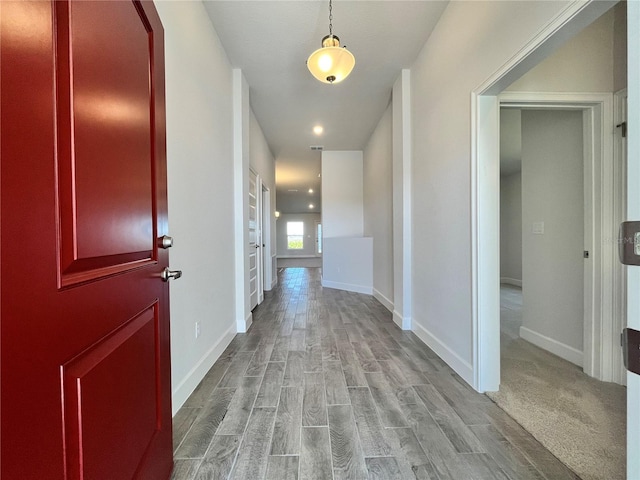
{"x":197,"y":329}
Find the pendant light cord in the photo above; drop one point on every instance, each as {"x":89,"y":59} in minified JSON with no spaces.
{"x":330,"y":19}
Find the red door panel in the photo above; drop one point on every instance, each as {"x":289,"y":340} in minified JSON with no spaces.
{"x":105,"y":392}
{"x":84,"y":324}
{"x":104,"y":131}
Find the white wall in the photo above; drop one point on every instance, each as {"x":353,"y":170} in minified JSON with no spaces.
{"x":583,"y":64}
{"x":441,"y":144}
{"x":553,"y":266}
{"x":511,"y":229}
{"x":347,"y":264}
{"x":342,"y":194}
{"x":309,"y":220}
{"x":200,"y":192}
{"x":347,"y":257}
{"x":378,"y":206}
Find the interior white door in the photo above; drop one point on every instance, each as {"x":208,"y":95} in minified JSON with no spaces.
{"x":633,"y":213}
{"x":253,"y":239}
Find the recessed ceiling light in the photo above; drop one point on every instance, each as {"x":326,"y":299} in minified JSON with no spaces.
{"x":318,"y":129}
{"x":311,"y":190}
{"x":311,"y":205}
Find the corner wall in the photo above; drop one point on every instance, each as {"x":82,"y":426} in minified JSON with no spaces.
{"x":378,"y":207}
{"x":198,"y":96}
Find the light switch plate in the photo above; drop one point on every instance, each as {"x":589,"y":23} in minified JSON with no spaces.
{"x":537,"y":228}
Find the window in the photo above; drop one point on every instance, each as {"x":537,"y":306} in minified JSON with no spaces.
{"x":295,"y":235}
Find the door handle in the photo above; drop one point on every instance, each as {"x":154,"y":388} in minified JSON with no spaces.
{"x":167,"y":274}
{"x":165,"y":241}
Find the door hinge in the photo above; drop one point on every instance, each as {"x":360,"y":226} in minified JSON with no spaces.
{"x":623,"y":128}
{"x":631,"y":350}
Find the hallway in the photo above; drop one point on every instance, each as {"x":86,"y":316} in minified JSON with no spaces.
{"x":324,"y":385}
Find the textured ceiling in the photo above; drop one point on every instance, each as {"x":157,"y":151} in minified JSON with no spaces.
{"x":271,"y":41}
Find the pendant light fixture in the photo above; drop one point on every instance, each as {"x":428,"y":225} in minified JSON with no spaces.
{"x":331,"y":63}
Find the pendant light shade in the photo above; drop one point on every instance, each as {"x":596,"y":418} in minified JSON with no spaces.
{"x":331,"y":63}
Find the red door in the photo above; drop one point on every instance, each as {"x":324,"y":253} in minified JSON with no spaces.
{"x":85,"y":359}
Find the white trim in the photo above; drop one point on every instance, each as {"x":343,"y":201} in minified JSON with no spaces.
{"x":240,"y":104}
{"x":274,"y":270}
{"x":461,"y":367}
{"x":401,"y":225}
{"x":577,"y":15}
{"x":511,"y":281}
{"x":397,"y":319}
{"x":560,"y":349}
{"x":300,"y":256}
{"x":633,"y":213}
{"x":267,"y":221}
{"x":619,"y":277}
{"x":248,"y":321}
{"x":348,"y":287}
{"x":185,"y":388}
{"x":388,"y":304}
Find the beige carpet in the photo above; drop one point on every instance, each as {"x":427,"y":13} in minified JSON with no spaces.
{"x":580,"y":420}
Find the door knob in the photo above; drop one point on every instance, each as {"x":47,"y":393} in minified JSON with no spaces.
{"x":165,"y":241}
{"x":169,"y":274}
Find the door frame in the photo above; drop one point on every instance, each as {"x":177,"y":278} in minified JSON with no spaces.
{"x":603,"y":181}
{"x":257,"y":248}
{"x":485,"y":197}
{"x":633,"y":213}
{"x":267,"y":262}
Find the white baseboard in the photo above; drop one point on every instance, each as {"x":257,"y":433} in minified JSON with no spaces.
{"x":511,"y":281}
{"x":189,"y":383}
{"x":461,"y":367}
{"x":397,"y":318}
{"x":348,"y":287}
{"x":243,"y":325}
{"x":299,"y":256}
{"x":562,"y":350}
{"x":388,"y":304}
{"x":274,"y":282}
{"x":403,"y":322}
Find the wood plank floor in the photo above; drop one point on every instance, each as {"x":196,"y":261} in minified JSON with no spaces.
{"x":325,"y":386}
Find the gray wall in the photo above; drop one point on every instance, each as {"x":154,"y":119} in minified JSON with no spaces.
{"x":309,"y":220}
{"x":378,"y":204}
{"x":553,"y":193}
{"x":511,"y":229}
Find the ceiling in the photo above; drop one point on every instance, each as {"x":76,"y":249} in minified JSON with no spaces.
{"x":271,"y":41}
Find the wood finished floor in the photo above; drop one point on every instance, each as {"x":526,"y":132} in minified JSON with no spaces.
{"x":325,"y":386}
